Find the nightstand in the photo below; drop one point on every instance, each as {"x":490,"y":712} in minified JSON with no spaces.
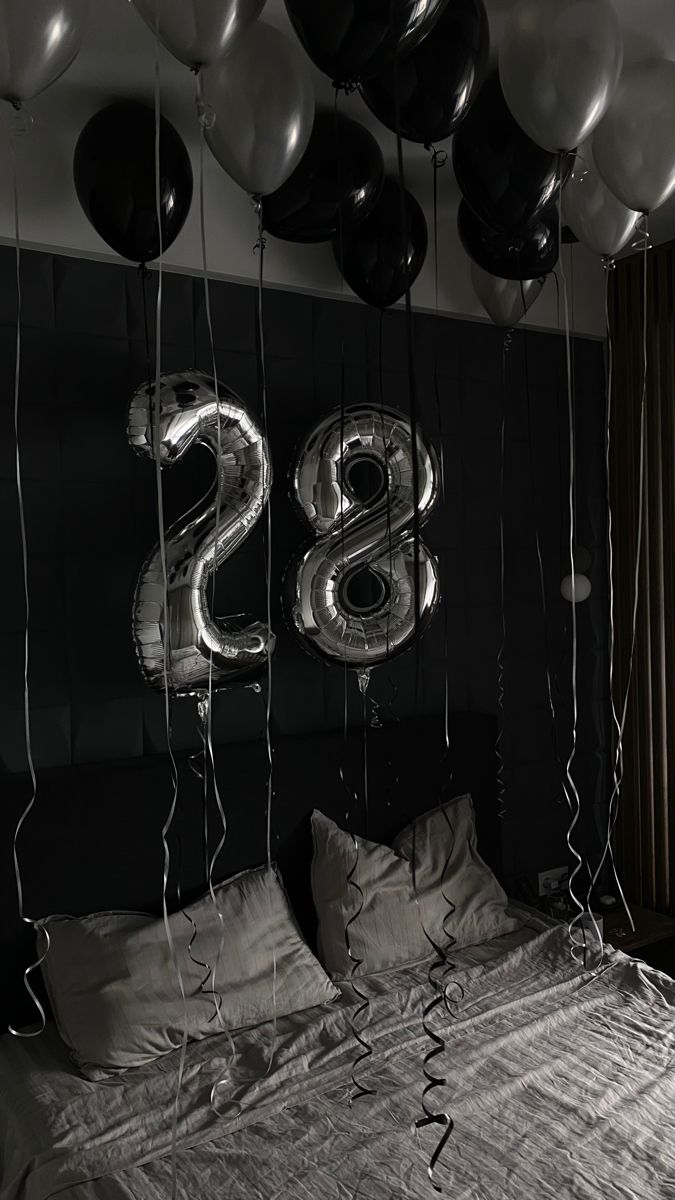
{"x":653,"y":940}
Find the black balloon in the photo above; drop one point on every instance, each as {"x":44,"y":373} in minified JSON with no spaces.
{"x":426,"y":95}
{"x":527,"y":254}
{"x":382,"y":257}
{"x":114,"y":170}
{"x":350,"y":40}
{"x":504,"y":177}
{"x":337,"y":180}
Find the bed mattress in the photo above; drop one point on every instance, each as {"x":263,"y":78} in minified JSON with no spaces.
{"x":561,"y":1084}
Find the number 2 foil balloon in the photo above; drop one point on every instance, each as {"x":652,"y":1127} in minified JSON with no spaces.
{"x":194,"y":409}
{"x":351,"y":594}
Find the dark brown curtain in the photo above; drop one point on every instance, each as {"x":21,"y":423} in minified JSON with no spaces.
{"x":645,"y":835}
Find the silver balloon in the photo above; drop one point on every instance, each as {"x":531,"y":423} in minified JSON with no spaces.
{"x":262,"y":99}
{"x":199,"y":32}
{"x":351,"y":594}
{"x":505,"y":300}
{"x":601,"y":222}
{"x":634,"y":145}
{"x":190,"y":413}
{"x":38,"y":41}
{"x":559,"y":65}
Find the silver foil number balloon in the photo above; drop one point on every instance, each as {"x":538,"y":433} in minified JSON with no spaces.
{"x":351,"y":594}
{"x":38,"y":41}
{"x":192,"y":410}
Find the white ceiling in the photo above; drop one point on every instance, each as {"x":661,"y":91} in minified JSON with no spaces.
{"x":118,"y":60}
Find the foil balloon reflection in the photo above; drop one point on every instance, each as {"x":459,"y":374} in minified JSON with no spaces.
{"x":351,"y":594}
{"x":192,"y":410}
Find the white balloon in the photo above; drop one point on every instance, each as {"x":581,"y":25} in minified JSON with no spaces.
{"x":39,"y":39}
{"x":505,"y":300}
{"x":198,"y":32}
{"x":559,"y":65}
{"x":578,"y":591}
{"x":601,"y":222}
{"x":634,"y":144}
{"x":262,"y":98}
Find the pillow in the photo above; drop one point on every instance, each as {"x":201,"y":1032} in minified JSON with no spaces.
{"x":113,"y":987}
{"x":389,"y":932}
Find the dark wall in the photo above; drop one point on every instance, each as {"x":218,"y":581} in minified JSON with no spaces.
{"x":90,"y":510}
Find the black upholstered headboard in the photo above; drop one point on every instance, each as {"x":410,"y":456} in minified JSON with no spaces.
{"x":93,"y":840}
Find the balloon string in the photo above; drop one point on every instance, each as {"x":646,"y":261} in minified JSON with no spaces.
{"x":438,"y":160}
{"x":429,"y":1118}
{"x":542,"y":581}
{"x":268,"y":596}
{"x":359,"y":1089}
{"x":412,"y":392}
{"x":613,"y":807}
{"x":353,"y":800}
{"x":204,"y":115}
{"x":191,"y":921}
{"x":167,"y":631}
{"x":26,"y":647}
{"x":574,"y":798}
{"x":412,"y":388}
{"x":439,"y":984}
{"x":345,"y":693}
{"x":144,"y":276}
{"x":501,"y":789}
{"x":386,"y":440}
{"x":202,"y":776}
{"x":540,"y":560}
{"x":364,"y":680}
{"x":618,"y":759}
{"x":340,"y":229}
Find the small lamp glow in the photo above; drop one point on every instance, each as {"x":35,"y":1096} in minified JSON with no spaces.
{"x":577,"y":592}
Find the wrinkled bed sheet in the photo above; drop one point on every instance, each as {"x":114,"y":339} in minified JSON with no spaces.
{"x":561,"y":1083}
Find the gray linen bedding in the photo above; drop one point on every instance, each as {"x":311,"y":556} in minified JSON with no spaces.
{"x":561,"y":1084}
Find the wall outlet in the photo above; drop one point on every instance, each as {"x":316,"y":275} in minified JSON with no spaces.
{"x":553,"y":881}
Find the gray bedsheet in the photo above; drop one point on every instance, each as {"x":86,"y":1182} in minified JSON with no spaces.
{"x":561,"y":1084}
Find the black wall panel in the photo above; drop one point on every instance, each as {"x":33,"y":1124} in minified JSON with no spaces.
{"x":91,"y":518}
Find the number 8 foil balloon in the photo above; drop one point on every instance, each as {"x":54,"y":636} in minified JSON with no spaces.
{"x":351,"y":593}
{"x":192,"y":410}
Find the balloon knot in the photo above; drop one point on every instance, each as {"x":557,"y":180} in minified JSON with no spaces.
{"x":348,"y":86}
{"x":643,"y":240}
{"x":206,"y":115}
{"x":438,"y":157}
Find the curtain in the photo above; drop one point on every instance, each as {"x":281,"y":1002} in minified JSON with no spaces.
{"x":645,"y":832}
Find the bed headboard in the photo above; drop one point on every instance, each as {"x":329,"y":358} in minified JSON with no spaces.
{"x":93,"y":840}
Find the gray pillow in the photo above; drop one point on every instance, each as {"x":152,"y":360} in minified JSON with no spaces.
{"x":114,"y":991}
{"x":389,"y":931}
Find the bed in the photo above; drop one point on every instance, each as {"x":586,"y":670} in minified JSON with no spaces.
{"x":560,"y":1083}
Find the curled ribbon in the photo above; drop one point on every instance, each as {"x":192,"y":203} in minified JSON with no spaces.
{"x":359,"y":1089}
{"x":438,"y":979}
